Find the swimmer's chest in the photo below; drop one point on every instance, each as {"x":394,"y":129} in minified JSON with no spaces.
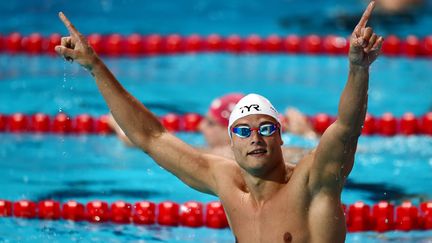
{"x":285,"y":213}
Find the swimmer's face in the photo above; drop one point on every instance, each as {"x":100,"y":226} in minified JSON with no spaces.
{"x":215,"y":134}
{"x":257,"y":154}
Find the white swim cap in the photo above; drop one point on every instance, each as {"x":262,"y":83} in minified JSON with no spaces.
{"x":252,"y":104}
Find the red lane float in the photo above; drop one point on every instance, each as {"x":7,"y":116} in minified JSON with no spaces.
{"x":13,"y":43}
{"x":233,"y":44}
{"x":114,"y":45}
{"x":253,"y":44}
{"x":5,"y":208}
{"x":134,"y":45}
{"x":1,"y":43}
{"x":407,"y":217}
{"x":40,"y":123}
{"x":273,"y":44}
{"x":426,"y":46}
{"x":32,"y":44}
{"x":73,"y":211}
{"x":426,"y":124}
{"x":193,"y":43}
{"x":191,"y":214}
{"x":321,"y":122}
{"x":408,"y":124}
{"x":97,"y":42}
{"x":191,"y":122}
{"x":171,"y":122}
{"x":50,"y":43}
{"x":62,"y":124}
{"x":369,"y":125}
{"x":144,"y":213}
{"x":18,"y":123}
{"x":49,"y":209}
{"x":380,"y":217}
{"x":121,"y":212}
{"x":312,"y":44}
{"x":215,"y":216}
{"x":358,"y":218}
{"x":83,"y":124}
{"x":383,"y":216}
{"x":292,"y":44}
{"x":102,"y":125}
{"x":213,"y":43}
{"x":97,"y":211}
{"x":154,"y":44}
{"x":173,"y":44}
{"x":426,"y":209}
{"x":412,"y":46}
{"x":385,"y":125}
{"x":391,"y":46}
{"x":24,"y":209}
{"x":168,"y":213}
{"x":335,"y":45}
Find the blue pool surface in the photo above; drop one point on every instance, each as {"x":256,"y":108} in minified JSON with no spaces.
{"x":85,"y":168}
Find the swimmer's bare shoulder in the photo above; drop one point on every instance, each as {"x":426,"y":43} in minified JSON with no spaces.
{"x":226,"y":173}
{"x":326,"y":221}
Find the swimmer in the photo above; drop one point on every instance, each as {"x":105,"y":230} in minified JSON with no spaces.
{"x":215,"y":123}
{"x":265,"y":199}
{"x":397,"y":6}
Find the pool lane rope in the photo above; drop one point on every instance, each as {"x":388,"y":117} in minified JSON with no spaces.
{"x":380,"y":217}
{"x":61,"y":123}
{"x":155,"y":44}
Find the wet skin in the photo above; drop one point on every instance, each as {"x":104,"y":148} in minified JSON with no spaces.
{"x":266,"y":200}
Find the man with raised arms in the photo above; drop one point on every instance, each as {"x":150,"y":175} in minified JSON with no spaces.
{"x":265,"y":199}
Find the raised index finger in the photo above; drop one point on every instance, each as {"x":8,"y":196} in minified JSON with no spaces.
{"x":68,"y":24}
{"x":365,"y":17}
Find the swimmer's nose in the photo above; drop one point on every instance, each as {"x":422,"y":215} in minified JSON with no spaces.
{"x":256,"y":138}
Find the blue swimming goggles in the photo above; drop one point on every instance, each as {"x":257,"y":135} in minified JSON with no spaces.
{"x":265,"y":130}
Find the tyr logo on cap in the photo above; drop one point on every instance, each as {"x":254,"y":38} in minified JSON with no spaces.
{"x":249,"y":107}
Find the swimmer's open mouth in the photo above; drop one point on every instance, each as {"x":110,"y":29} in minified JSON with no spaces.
{"x":257,"y":152}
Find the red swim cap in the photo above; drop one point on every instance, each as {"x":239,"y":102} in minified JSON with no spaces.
{"x":221,"y":107}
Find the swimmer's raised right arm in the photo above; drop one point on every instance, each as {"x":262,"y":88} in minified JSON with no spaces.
{"x":140,"y":125}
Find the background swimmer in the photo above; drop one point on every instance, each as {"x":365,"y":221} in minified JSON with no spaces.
{"x":215,"y":123}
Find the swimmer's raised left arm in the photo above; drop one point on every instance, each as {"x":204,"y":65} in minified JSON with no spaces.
{"x":334,"y":156}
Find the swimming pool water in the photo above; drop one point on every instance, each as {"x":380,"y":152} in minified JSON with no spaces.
{"x":208,"y":16}
{"x":40,"y":167}
{"x":85,"y":168}
{"x":188,"y":83}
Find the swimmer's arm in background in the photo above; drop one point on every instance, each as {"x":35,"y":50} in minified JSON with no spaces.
{"x":297,"y":123}
{"x":140,"y":125}
{"x":334,"y":157}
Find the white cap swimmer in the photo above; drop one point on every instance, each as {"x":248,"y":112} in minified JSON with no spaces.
{"x":252,"y":104}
